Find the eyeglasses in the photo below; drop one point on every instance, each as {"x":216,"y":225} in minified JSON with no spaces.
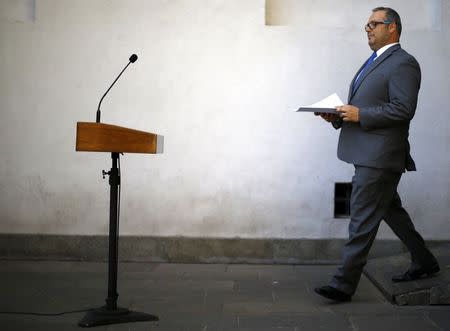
{"x":373,"y":25}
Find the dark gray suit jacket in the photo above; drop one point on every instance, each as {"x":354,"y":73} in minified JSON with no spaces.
{"x":386,"y":95}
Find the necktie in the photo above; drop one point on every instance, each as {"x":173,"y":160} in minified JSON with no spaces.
{"x":369,"y":61}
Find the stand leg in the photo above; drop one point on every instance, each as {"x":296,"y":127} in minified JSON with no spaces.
{"x":110,"y":313}
{"x":103,"y":316}
{"x":114,"y":182}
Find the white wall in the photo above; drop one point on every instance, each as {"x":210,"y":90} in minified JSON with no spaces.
{"x":221,"y":86}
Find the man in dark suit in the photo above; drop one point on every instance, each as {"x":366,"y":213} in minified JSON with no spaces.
{"x":374,"y":138}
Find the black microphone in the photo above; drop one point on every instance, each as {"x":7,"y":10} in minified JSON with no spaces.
{"x":132,"y":59}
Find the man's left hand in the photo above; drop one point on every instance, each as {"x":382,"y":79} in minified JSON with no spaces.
{"x":348,"y":113}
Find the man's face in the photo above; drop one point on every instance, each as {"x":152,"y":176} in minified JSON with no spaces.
{"x":381,"y":35}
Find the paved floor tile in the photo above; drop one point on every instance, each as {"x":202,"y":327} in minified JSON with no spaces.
{"x":392,"y":322}
{"x":440,"y":318}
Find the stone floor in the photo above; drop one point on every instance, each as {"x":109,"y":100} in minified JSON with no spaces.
{"x":199,"y":297}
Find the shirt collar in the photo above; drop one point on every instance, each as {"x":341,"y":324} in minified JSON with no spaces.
{"x":384,"y":48}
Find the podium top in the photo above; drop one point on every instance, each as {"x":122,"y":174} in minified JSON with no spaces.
{"x":101,"y":137}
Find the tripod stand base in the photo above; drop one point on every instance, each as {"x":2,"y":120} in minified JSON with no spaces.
{"x":103,"y":316}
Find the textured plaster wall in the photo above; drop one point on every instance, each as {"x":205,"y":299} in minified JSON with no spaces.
{"x":221,"y":86}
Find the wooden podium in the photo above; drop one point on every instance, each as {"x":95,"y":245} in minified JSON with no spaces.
{"x":100,"y":137}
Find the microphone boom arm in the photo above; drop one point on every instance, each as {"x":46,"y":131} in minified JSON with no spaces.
{"x":98,"y":108}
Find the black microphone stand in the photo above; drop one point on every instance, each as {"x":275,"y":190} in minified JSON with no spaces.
{"x":132,"y":59}
{"x":111,"y":313}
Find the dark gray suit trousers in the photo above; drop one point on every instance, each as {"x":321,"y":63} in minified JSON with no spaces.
{"x":374,"y":198}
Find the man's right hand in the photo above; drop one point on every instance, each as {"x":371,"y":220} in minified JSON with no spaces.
{"x":328,"y":117}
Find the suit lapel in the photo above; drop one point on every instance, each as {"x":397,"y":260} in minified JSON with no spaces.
{"x":369,"y":69}
{"x":350,"y":88}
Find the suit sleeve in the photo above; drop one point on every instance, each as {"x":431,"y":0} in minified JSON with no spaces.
{"x":403,"y":88}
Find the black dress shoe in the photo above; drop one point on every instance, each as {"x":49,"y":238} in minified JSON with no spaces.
{"x":332,"y":293}
{"x":411,"y":275}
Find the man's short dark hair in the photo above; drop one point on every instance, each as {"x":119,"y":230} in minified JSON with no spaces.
{"x":392,"y":16}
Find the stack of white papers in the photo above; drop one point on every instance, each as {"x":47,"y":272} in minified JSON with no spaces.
{"x":327,"y":105}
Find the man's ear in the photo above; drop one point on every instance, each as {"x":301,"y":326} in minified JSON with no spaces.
{"x":392,"y":27}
